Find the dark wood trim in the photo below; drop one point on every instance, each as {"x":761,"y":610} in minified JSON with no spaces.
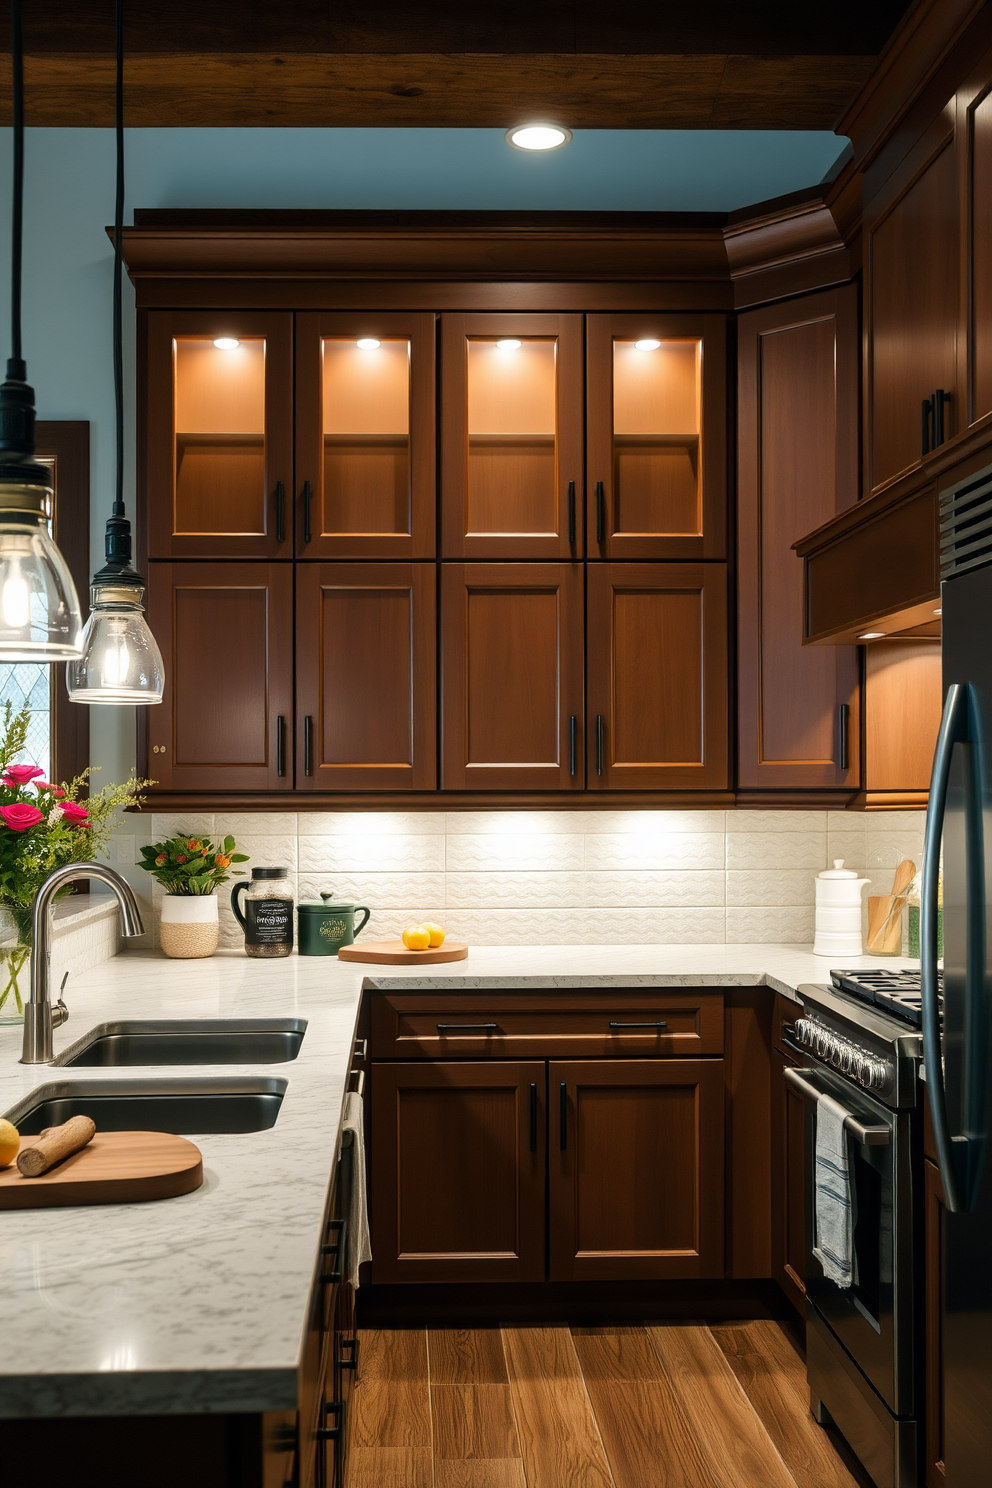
{"x":564,"y":800}
{"x":67,"y":441}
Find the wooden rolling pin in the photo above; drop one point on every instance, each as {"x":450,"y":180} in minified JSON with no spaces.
{"x":54,"y":1144}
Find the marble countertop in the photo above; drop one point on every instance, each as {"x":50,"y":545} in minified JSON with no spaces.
{"x":197,"y":1304}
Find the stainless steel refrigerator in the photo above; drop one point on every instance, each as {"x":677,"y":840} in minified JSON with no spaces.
{"x":958,"y":1055}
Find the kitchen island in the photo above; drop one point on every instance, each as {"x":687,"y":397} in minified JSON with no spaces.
{"x":199,"y":1305}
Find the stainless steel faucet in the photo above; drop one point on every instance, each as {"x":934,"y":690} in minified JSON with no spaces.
{"x":40,"y":1017}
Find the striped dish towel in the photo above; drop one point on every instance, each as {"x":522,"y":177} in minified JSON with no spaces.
{"x":834,"y":1229}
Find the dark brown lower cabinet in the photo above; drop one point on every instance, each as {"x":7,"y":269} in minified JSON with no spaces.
{"x":365,"y":676}
{"x":788,"y":1183}
{"x":635,"y":1168}
{"x":226,"y":634}
{"x":511,"y":676}
{"x":658,"y":681}
{"x":933,"y":1201}
{"x":457,"y":1171}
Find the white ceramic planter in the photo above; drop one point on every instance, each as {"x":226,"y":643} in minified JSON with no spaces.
{"x":188,"y":926}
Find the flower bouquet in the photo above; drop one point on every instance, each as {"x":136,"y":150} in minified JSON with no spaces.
{"x":43,"y":826}
{"x":189,"y":870}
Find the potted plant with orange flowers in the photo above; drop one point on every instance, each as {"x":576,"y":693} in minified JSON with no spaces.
{"x":43,"y":826}
{"x":190,"y":869}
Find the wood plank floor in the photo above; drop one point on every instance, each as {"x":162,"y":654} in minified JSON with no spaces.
{"x":675,"y":1405}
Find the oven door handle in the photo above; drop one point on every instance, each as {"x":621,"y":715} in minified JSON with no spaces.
{"x":868,"y":1136}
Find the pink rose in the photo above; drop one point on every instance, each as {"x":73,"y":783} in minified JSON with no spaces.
{"x":16,"y":775}
{"x":76,"y":816}
{"x":20,"y":817}
{"x":56,"y":790}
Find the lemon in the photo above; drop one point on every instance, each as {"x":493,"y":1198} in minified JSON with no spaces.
{"x":9,"y":1143}
{"x":435,"y":931}
{"x":416,"y":937}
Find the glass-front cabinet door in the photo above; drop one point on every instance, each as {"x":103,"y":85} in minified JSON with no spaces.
{"x":219,"y":428}
{"x":511,"y":430}
{"x":657,"y":437}
{"x":364,"y":435}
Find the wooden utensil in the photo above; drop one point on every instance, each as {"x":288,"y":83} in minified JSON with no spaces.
{"x":55,"y":1144}
{"x":884,"y":926}
{"x":905,"y":874}
{"x":395,"y":953}
{"x":113,"y":1168}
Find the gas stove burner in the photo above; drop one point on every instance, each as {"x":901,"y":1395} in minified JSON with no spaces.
{"x":894,"y":991}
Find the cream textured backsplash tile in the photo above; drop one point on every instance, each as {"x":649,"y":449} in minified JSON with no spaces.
{"x":571,"y":877}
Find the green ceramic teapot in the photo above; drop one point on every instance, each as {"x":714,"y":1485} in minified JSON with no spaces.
{"x":326,"y":925}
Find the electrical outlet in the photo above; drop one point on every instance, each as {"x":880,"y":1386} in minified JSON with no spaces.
{"x":125,"y":849}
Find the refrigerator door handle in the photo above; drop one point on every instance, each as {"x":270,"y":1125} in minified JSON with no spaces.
{"x":953,"y":730}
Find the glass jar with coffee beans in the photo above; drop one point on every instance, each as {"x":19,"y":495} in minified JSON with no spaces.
{"x":267,"y":918}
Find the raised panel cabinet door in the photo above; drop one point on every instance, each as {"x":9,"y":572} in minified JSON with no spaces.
{"x":788,"y":1183}
{"x":912,"y":310}
{"x":511,"y":436}
{"x":511,"y":676}
{"x":933,"y":1202}
{"x":365,"y":435}
{"x":226,"y":633}
{"x":656,"y":476}
{"x":216,"y":432}
{"x":636,"y":1169}
{"x":657,"y":676}
{"x":797,"y":454}
{"x":365,"y":676}
{"x":457,"y":1159}
{"x":975,"y":127}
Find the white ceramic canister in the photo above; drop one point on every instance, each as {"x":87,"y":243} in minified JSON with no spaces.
{"x":188,"y":926}
{"x":838,"y":912}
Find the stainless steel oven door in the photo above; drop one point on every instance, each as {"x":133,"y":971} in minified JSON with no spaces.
{"x":874,"y":1318}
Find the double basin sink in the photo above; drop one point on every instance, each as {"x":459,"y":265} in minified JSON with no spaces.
{"x":191,"y":1105}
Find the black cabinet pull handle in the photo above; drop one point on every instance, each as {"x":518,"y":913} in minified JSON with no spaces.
{"x":600,"y":512}
{"x":467,"y":1027}
{"x":571,"y":511}
{"x":280,"y":745}
{"x":926,"y":411}
{"x":308,"y":745}
{"x":637,"y":1025}
{"x":939,"y":399}
{"x":600,"y":742}
{"x":843,"y":730}
{"x":533,"y":1117}
{"x":280,"y":512}
{"x":573,"y":724}
{"x":563,"y":1115}
{"x":351,"y":1360}
{"x":307,"y":503}
{"x":337,"y":1248}
{"x":333,"y":1408}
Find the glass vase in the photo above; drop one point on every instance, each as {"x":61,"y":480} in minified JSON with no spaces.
{"x":15,"y":982}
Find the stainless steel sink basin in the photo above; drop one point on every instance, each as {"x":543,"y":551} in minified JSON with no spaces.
{"x":238,"y":1103}
{"x":186,"y":1041}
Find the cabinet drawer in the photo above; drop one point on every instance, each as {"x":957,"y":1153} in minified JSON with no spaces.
{"x":502,"y":1025}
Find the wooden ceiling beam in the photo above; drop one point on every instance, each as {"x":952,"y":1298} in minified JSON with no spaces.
{"x":450,"y":90}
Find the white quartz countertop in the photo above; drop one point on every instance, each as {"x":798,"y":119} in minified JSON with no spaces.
{"x":198,"y":1304}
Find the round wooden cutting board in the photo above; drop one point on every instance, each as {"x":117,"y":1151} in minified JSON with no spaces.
{"x":115,"y":1168}
{"x":395,"y":953}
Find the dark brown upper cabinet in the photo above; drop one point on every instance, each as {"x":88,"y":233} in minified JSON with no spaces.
{"x":658,"y":679}
{"x":912,"y":308}
{"x":364,"y":435}
{"x":226,"y":634}
{"x":218,"y":426}
{"x":975,"y":127}
{"x":365,"y":676}
{"x":511,"y":676}
{"x":797,"y":451}
{"x":656,"y":470}
{"x":511,"y":436}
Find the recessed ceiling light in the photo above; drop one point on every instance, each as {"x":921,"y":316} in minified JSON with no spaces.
{"x":508,"y":345}
{"x":538,"y":136}
{"x":647,"y":344}
{"x":368,"y":343}
{"x":227,"y":343}
{"x":871,"y":635}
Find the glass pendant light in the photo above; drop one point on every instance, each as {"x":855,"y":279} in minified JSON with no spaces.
{"x":39,"y":609}
{"x":120,"y":661}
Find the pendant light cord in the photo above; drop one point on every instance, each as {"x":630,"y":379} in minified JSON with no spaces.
{"x":15,"y":367}
{"x":118,"y":262}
